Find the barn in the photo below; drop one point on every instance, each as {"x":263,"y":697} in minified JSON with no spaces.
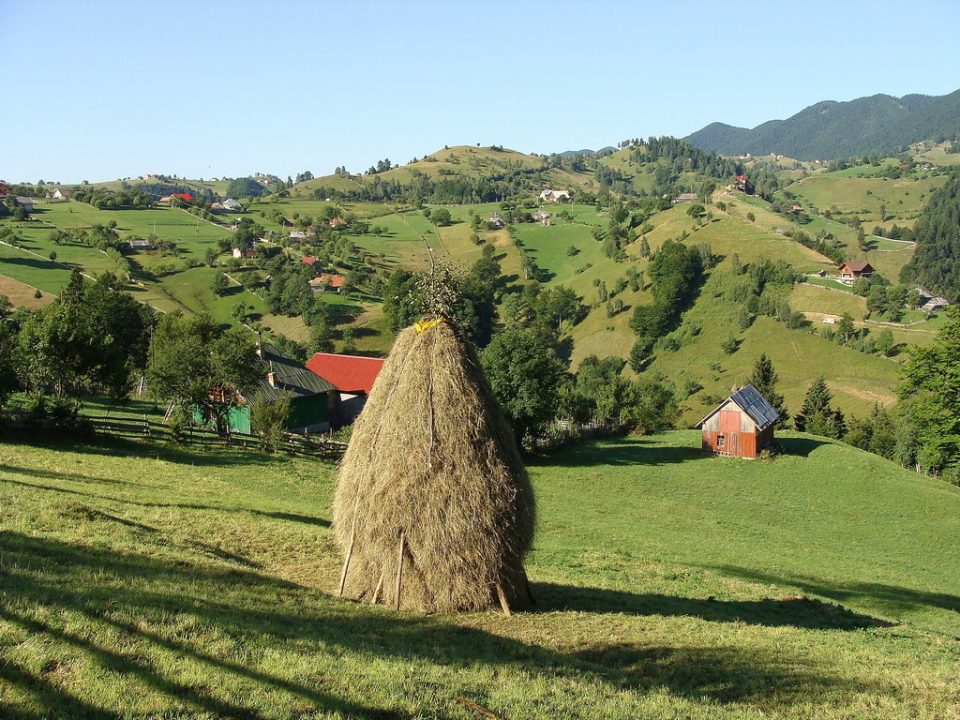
{"x":740,"y":426}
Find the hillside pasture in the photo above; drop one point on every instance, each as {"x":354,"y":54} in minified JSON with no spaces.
{"x":903,"y":199}
{"x":22,"y":295}
{"x":143,"y":581}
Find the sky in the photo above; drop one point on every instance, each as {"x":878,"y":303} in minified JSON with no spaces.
{"x":106,"y":90}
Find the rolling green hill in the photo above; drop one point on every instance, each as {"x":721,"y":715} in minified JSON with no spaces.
{"x":830,"y":130}
{"x":142,"y":581}
{"x":490,"y":171}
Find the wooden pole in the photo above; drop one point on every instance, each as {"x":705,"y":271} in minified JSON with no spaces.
{"x":376,"y":593}
{"x":526,"y":582}
{"x":346,"y":560}
{"x":504,"y":605}
{"x":403,"y":540}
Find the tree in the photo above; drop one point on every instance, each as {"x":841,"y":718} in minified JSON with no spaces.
{"x":94,"y":337}
{"x":194,"y":364}
{"x":8,"y":364}
{"x":764,"y":379}
{"x":525,"y":375}
{"x":268,"y":419}
{"x":930,"y":389}
{"x":245,"y":187}
{"x":817,"y":416}
{"x":441,"y":217}
{"x":219,"y":284}
{"x":845,"y":329}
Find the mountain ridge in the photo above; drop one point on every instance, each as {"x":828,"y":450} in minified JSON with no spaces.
{"x":830,"y":129}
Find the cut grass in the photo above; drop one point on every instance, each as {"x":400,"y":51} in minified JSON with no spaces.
{"x":142,"y":581}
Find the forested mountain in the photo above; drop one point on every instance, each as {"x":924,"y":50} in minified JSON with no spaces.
{"x":830,"y":130}
{"x":936,"y":262}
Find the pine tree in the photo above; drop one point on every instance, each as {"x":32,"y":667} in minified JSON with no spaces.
{"x":764,"y":379}
{"x":817,"y":417}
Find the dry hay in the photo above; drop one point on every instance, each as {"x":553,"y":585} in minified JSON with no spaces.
{"x":433,"y":471}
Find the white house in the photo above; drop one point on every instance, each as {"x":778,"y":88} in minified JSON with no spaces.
{"x":556,"y":196}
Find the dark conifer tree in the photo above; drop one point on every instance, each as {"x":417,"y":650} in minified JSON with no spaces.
{"x":817,"y":416}
{"x":764,"y":379}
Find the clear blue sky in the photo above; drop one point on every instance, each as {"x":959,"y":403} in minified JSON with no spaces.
{"x":102,"y":90}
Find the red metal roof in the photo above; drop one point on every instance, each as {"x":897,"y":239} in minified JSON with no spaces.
{"x":308,"y":260}
{"x":349,"y":373}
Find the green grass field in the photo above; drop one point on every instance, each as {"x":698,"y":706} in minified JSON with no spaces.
{"x":141,"y":581}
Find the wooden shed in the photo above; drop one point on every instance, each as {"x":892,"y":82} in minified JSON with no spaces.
{"x":740,"y":426}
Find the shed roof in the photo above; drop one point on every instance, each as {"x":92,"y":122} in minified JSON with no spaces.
{"x":349,"y":373}
{"x":289,"y":376}
{"x":753,"y":404}
{"x":857,"y":265}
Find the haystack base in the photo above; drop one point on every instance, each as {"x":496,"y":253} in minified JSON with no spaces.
{"x":346,"y":562}
{"x":403,"y":539}
{"x":504,"y":605}
{"x":526,"y":583}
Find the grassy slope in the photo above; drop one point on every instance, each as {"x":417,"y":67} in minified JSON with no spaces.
{"x":143,"y":581}
{"x":462,"y":160}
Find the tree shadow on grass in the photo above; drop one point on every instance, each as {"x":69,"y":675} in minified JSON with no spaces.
{"x":218,"y":455}
{"x":895,"y":597}
{"x":50,"y":588}
{"x":807,"y":613}
{"x":800,"y":446}
{"x":619,"y":451}
{"x":94,"y":514}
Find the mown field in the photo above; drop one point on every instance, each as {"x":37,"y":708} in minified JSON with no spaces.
{"x":143,"y":581}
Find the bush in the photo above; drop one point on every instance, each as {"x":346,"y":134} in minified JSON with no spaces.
{"x":268,"y":419}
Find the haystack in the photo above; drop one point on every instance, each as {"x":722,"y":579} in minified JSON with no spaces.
{"x":434,"y":510}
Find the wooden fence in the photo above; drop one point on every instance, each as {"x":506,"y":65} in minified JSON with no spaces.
{"x":305,"y":445}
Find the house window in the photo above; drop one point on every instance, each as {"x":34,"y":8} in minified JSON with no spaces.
{"x":720,"y":441}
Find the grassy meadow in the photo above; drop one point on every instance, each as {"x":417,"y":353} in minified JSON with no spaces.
{"x":137,"y":580}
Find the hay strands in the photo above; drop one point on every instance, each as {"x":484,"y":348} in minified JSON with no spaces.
{"x":403,"y":540}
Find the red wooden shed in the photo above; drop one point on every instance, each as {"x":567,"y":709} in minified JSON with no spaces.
{"x":740,"y":426}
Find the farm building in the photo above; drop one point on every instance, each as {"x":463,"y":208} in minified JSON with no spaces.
{"x":740,"y":426}
{"x":853,"y":270}
{"x":313,"y":400}
{"x":352,"y":375}
{"x":496,"y":220}
{"x":327,"y":281}
{"x":556,"y":196}
{"x":684,"y":198}
{"x":934,"y":304}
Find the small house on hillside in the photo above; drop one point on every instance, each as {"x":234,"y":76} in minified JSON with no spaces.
{"x":337,"y":222}
{"x":741,"y":426}
{"x":4,"y":189}
{"x":26,"y":203}
{"x":934,"y":304}
{"x":556,"y":196}
{"x":61,"y":194}
{"x":313,"y":400}
{"x":496,"y":220}
{"x":853,"y":270}
{"x":352,"y":375}
{"x":540,"y":215}
{"x":231,"y":205}
{"x":326,"y":281}
{"x":140,"y":244}
{"x":297,"y":236}
{"x":685,"y":198}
